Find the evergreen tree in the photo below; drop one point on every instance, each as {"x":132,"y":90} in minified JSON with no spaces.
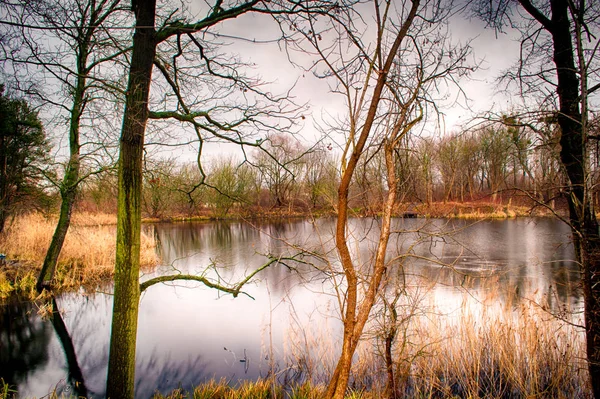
{"x":23,"y":149}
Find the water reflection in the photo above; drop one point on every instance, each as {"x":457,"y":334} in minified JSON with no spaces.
{"x":24,"y":340}
{"x":186,"y":336}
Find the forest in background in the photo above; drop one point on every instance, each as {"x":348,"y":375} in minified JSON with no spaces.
{"x":495,"y":164}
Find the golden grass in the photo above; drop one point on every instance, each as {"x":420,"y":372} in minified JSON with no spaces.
{"x":475,"y":351}
{"x":473,"y":210}
{"x":521,"y":352}
{"x":87,"y":257}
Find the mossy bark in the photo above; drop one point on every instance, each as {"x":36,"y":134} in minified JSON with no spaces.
{"x":121,"y":364}
{"x":68,"y":191}
{"x":70,"y":182}
{"x":574,"y":156}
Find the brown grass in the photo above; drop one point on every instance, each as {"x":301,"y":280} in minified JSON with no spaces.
{"x":474,"y":210}
{"x":87,"y":257}
{"x":490,"y":350}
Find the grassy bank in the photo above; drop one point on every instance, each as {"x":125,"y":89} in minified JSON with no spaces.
{"x":87,"y":257}
{"x":479,"y":209}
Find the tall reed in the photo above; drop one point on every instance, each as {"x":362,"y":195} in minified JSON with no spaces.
{"x":488,"y":349}
{"x":87,"y":257}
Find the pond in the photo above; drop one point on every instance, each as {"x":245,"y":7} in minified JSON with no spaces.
{"x":188,"y":333}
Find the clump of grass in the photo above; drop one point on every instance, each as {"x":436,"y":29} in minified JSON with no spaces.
{"x":260,"y":389}
{"x":6,"y":391}
{"x":484,"y":348}
{"x":87,"y":256}
{"x":513,"y":353}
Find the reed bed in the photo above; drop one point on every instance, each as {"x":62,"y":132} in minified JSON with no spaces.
{"x":483,"y":349}
{"x":87,"y":257}
{"x":515,"y":353}
{"x":476,"y":210}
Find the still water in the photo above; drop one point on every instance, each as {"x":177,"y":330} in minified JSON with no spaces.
{"x":188,"y":333}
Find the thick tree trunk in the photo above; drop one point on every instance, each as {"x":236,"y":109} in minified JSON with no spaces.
{"x":590,"y":259}
{"x":121,"y":363}
{"x":574,"y":156}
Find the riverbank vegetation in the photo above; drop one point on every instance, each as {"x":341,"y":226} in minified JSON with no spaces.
{"x":494,"y":348}
{"x":87,"y":258}
{"x":174,"y":80}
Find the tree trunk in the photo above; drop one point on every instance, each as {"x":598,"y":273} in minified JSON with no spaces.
{"x":4,"y":204}
{"x":590,"y":258}
{"x":355,"y":317}
{"x":60,"y":233}
{"x":75,"y":376}
{"x":68,"y":189}
{"x":573,"y":156}
{"x":121,"y":362}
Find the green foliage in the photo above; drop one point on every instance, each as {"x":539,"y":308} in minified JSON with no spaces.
{"x":23,"y":151}
{"x":232,"y":184}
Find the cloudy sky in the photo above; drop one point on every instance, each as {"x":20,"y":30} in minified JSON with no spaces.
{"x":494,"y":53}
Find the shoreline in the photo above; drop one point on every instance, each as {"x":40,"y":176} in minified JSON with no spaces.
{"x":87,"y":259}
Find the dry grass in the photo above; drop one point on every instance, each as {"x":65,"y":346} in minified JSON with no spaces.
{"x":476,"y":351}
{"x":487,"y":349}
{"x":523,"y":352}
{"x":474,"y":210}
{"x":87,"y":257}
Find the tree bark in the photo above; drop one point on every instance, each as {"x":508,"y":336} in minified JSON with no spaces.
{"x":68,"y":192}
{"x":573,"y":156}
{"x":70,"y":182}
{"x":355,"y":318}
{"x":121,"y":365}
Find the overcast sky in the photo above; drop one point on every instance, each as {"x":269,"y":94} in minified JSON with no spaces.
{"x":495,"y":53}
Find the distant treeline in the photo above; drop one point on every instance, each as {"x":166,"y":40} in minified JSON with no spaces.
{"x":497,"y":162}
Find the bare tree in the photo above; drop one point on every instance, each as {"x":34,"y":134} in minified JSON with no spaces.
{"x":231,"y":184}
{"x":281,"y":166}
{"x":66,"y":46}
{"x":176,"y":35}
{"x":387,"y":82}
{"x":558,"y":58}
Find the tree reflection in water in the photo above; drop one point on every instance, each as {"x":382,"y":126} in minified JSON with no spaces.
{"x":24,"y":339}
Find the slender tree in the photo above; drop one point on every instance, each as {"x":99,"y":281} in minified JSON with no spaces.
{"x":387,"y":85}
{"x":70,"y":62}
